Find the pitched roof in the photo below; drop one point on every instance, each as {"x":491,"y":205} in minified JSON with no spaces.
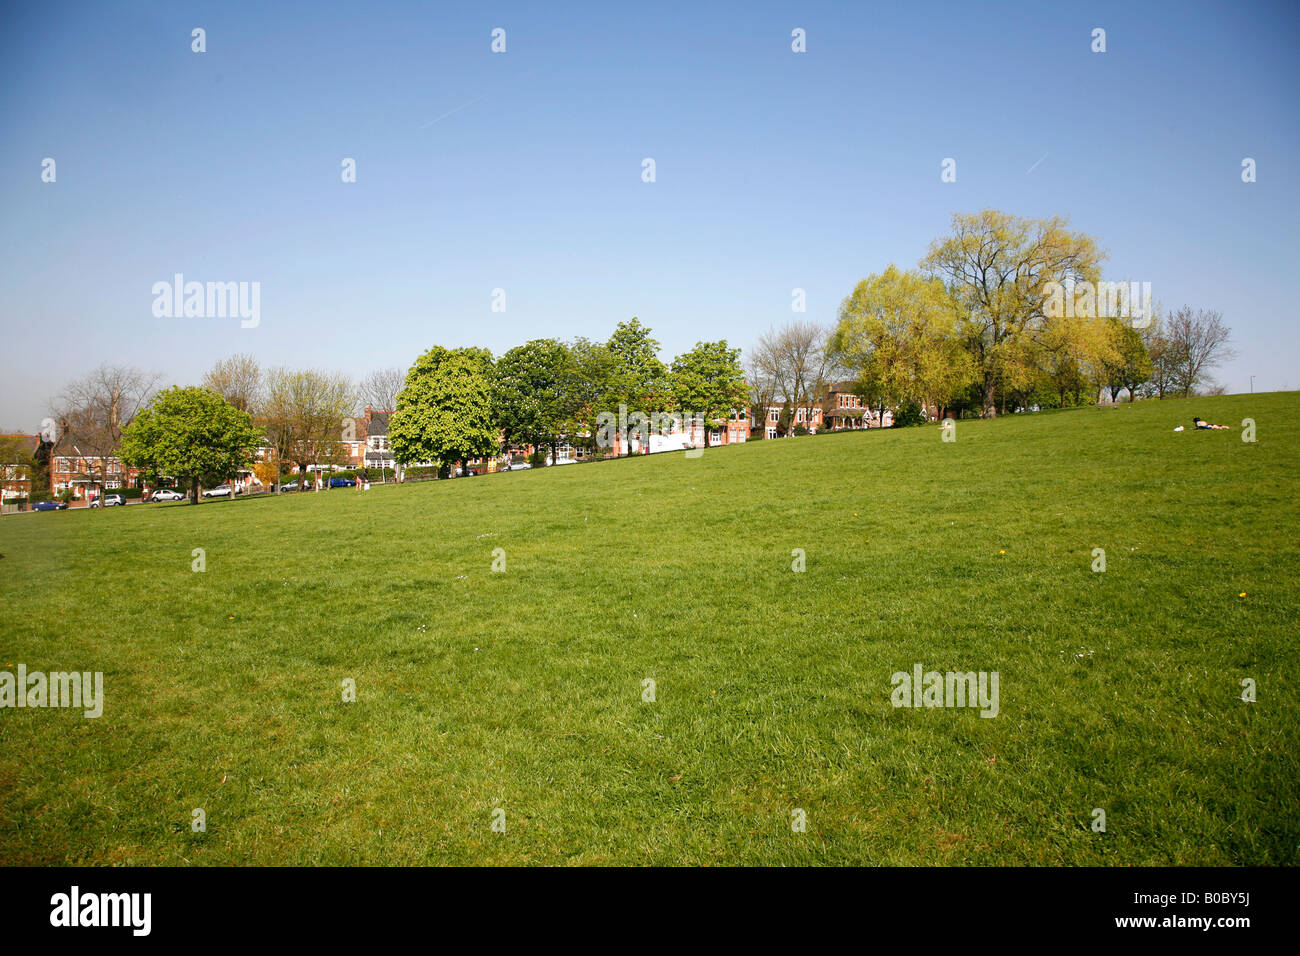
{"x":82,"y":445}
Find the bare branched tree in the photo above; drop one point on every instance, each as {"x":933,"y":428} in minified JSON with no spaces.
{"x":761,"y":376}
{"x":238,"y":380}
{"x":302,"y":414}
{"x":92,"y":411}
{"x":379,"y":389}
{"x":1198,"y":344}
{"x":795,"y":363}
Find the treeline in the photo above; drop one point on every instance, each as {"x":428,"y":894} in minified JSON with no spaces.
{"x":459,"y":404}
{"x":451,"y":405}
{"x":977,"y":327}
{"x":1010,"y":313}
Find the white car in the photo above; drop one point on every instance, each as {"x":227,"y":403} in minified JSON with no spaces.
{"x":221,"y":491}
{"x":166,"y":494}
{"x":518,"y":466}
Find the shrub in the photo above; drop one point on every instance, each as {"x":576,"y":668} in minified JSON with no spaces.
{"x":909,"y":415}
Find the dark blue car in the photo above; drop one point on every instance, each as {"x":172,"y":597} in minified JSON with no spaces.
{"x":341,"y":482}
{"x":50,"y":506}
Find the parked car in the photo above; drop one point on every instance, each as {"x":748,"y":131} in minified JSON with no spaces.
{"x":221,"y":491}
{"x":518,"y":466}
{"x":109,"y":501}
{"x":50,"y":506}
{"x":167,"y":494}
{"x":341,"y":482}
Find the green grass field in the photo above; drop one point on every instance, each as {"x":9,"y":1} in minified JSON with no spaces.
{"x":522,"y":690}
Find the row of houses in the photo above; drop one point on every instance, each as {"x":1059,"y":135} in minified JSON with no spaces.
{"x":76,"y":467}
{"x":838,"y":409}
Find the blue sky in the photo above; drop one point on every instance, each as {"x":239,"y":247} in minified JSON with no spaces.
{"x":775,"y":170}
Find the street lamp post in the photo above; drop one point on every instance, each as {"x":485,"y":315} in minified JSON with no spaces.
{"x":1252,"y":385}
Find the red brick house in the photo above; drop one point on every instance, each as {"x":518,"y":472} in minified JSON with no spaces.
{"x":843,"y":409}
{"x":78,"y":465}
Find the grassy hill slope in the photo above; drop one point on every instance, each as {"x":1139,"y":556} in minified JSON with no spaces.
{"x":522,"y":690}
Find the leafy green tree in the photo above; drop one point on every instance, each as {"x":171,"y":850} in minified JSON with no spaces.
{"x":909,"y":415}
{"x":190,"y":434}
{"x":640,"y":378}
{"x":899,"y":333}
{"x":590,"y":387}
{"x":998,"y":267}
{"x":709,"y":381}
{"x":1130,"y":368}
{"x":17,"y":461}
{"x":444,"y":411}
{"x":1074,"y":353}
{"x":530,"y":394}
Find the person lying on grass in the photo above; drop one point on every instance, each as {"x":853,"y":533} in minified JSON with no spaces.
{"x":1202,"y":423}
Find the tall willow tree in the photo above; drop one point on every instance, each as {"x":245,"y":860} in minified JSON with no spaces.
{"x":996,"y":266}
{"x":899,"y":333}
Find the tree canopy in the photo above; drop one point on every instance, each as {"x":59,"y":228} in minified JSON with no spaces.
{"x":531,"y":393}
{"x":444,"y":411}
{"x":191,"y":434}
{"x":997,"y":268}
{"x":899,"y":332}
{"x":709,"y":381}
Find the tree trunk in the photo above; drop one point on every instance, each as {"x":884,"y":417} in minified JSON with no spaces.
{"x":989,"y":409}
{"x":194,"y":491}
